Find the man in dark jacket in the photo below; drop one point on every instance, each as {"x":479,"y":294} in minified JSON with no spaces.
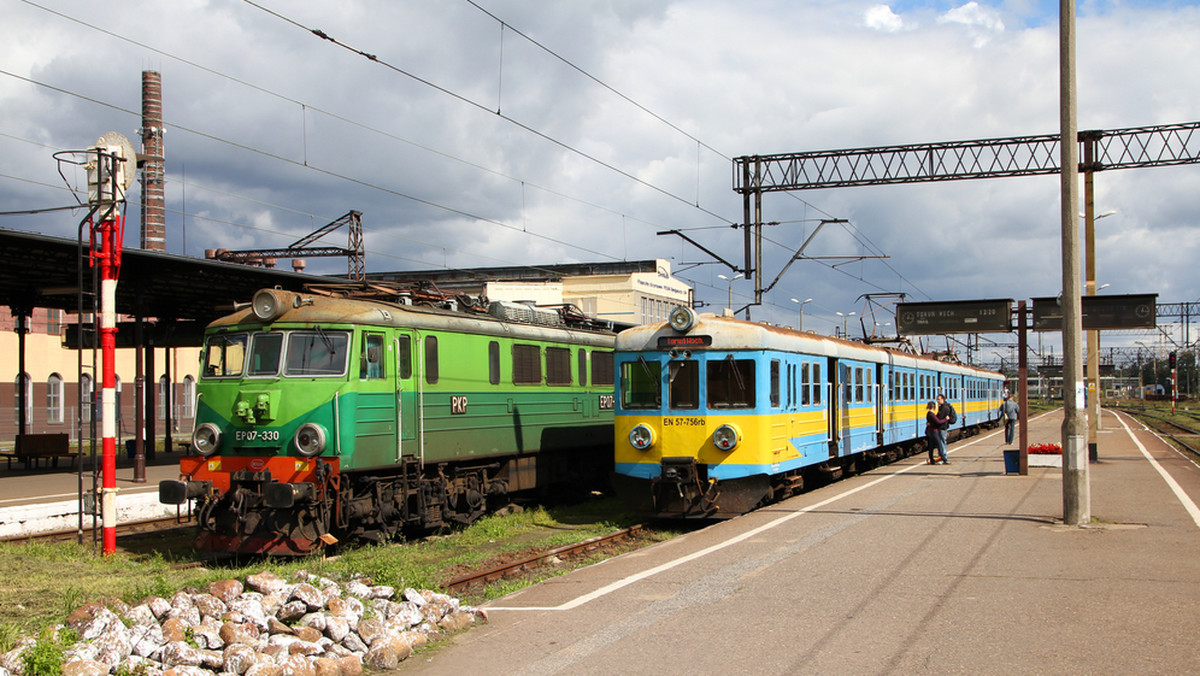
{"x":1010,"y":411}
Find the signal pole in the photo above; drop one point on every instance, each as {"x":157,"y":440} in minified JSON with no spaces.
{"x":110,"y":174}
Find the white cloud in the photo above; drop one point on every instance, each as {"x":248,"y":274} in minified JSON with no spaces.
{"x":279,"y":132}
{"x":983,"y":22}
{"x":882,"y":18}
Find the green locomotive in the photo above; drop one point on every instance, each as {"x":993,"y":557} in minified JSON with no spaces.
{"x":368,"y":411}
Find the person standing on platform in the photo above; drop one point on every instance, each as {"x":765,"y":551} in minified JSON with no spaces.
{"x":1010,"y":411}
{"x":933,"y":432}
{"x":947,"y":413}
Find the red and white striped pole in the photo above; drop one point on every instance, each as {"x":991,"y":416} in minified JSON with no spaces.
{"x":108,"y":259}
{"x":108,"y":181}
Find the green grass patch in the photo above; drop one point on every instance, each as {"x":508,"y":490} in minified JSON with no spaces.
{"x":44,"y":583}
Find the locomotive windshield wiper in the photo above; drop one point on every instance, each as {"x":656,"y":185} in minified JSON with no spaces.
{"x":737,"y":375}
{"x":646,"y":368}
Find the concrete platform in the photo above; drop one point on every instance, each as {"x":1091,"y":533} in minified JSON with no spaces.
{"x":47,"y":500}
{"x":908,"y":569}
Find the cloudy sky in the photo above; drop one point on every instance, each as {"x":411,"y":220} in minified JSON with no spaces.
{"x":527,"y":132}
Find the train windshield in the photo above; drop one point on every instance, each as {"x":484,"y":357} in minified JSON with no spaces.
{"x":317,"y":353}
{"x":265,"y":349}
{"x":685,"y":384}
{"x":224,"y":355}
{"x":641,"y":384}
{"x":731,"y":383}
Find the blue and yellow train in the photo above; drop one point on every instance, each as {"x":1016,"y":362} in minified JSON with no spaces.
{"x":717,"y":415}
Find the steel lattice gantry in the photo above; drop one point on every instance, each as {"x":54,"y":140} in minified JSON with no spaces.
{"x":957,"y":160}
{"x":1127,"y":148}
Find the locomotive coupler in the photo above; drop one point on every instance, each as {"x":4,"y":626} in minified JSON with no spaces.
{"x":175,"y":492}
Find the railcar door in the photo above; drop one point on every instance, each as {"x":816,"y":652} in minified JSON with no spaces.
{"x":406,"y":395}
{"x":373,"y":402}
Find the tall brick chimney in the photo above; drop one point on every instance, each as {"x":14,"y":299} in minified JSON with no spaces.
{"x":154,"y":215}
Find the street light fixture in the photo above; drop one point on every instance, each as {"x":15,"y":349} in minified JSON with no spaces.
{"x":844,"y":317}
{"x":731,"y":280}
{"x":801,"y":303}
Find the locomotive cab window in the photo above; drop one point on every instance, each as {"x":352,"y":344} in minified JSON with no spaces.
{"x":731,"y":383}
{"x":224,"y":355}
{"x":684,"y":380}
{"x":317,"y":353}
{"x":370,"y":363}
{"x":775,"y":383}
{"x":265,"y":350}
{"x":641,"y":384}
{"x":432,"y":369}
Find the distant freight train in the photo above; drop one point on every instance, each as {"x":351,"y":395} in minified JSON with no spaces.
{"x":322,"y":416}
{"x":716,"y":415}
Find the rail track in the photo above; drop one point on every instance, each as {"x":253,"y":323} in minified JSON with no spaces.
{"x":123,"y":529}
{"x":1186,"y":437}
{"x":535,"y":561}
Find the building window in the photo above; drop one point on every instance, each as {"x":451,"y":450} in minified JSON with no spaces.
{"x":86,"y":394}
{"x":54,"y":322}
{"x":54,"y":399}
{"x":23,"y":382}
{"x":188,"y":396}
{"x":164,"y":397}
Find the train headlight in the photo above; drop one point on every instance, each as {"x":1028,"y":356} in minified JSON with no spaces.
{"x":641,"y":437}
{"x":206,"y":439}
{"x":726,"y":437}
{"x":310,"y":440}
{"x":268,"y":304}
{"x":681,"y":318}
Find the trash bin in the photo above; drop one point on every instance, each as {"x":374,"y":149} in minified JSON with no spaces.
{"x":130,"y":448}
{"x":1012,"y":462}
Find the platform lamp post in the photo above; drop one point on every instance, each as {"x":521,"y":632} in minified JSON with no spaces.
{"x":731,"y":280}
{"x":844,"y":318}
{"x":801,"y":304}
{"x":111,"y":168}
{"x":1093,"y":336}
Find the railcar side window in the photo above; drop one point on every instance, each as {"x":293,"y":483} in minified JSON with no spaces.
{"x":404,"y":358}
{"x":432,"y":366}
{"x":684,"y":381}
{"x":641,"y":384}
{"x":494,"y":362}
{"x":817,"y":394}
{"x":527,"y":365}
{"x":775,"y":383}
{"x":224,"y":355}
{"x":731,"y":383}
{"x":265,"y":349}
{"x":317,"y":353}
{"x":806,"y":384}
{"x":558,"y":366}
{"x":602,"y":368}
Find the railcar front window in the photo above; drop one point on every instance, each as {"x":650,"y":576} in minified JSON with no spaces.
{"x":317,"y":353}
{"x":641,"y":384}
{"x":224,"y":355}
{"x":731,"y":383}
{"x":265,"y":349}
{"x":684,"y":377}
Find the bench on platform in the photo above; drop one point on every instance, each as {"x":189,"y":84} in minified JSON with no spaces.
{"x":32,"y":448}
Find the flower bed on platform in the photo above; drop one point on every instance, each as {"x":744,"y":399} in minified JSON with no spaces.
{"x":1045,"y":449}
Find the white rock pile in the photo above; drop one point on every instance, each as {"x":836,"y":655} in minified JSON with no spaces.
{"x":310,"y":626}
